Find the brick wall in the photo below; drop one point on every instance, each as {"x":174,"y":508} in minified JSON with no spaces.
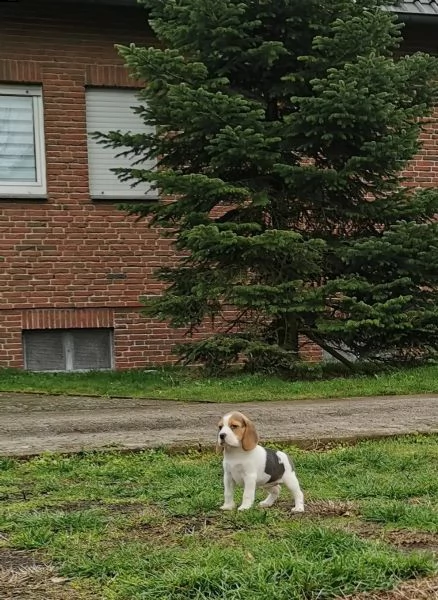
{"x":423,"y":170}
{"x":68,"y":261}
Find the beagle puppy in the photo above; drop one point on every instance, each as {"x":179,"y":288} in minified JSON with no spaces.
{"x":247,"y":463}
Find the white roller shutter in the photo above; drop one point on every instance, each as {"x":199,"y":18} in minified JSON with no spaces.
{"x":111,"y":110}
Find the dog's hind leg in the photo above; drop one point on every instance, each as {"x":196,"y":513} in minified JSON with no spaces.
{"x":292,"y":483}
{"x":274,"y":492}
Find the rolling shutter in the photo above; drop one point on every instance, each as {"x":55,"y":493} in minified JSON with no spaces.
{"x":44,"y":351}
{"x":91,"y":349}
{"x":111,"y":110}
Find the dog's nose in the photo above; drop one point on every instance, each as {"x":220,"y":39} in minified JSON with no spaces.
{"x":222,"y":436}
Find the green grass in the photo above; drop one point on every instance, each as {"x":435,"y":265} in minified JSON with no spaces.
{"x":183,"y":384}
{"x":147,"y":525}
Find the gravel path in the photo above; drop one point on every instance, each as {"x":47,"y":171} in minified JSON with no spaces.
{"x":30,"y":423}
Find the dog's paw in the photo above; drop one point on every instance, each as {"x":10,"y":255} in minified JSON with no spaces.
{"x":298,"y":509}
{"x":244,"y":507}
{"x":227,"y":507}
{"x":264,"y":504}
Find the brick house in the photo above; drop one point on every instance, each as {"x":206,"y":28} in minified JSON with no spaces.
{"x":73,"y":266}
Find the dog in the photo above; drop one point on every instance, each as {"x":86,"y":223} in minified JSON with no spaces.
{"x":246,"y":462}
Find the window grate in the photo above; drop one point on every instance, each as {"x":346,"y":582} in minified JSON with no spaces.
{"x":68,"y":349}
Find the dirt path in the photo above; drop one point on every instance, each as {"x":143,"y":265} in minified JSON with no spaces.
{"x":30,"y":424}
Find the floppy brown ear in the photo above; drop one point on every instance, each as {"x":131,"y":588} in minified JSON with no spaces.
{"x":250,"y":437}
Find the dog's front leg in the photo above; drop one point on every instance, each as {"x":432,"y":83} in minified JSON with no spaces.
{"x":228,"y":491}
{"x":249,"y":488}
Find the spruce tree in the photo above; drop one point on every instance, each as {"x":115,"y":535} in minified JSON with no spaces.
{"x":282,"y":128}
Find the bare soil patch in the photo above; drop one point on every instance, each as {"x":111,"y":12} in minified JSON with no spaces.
{"x":175,"y":527}
{"x":403,"y":539}
{"x":419,"y":589}
{"x":122,"y":508}
{"x":330,"y":508}
{"x":18,"y":559}
{"x":23,"y":577}
{"x":412,"y":540}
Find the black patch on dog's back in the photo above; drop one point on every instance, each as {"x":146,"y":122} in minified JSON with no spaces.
{"x":273,"y":467}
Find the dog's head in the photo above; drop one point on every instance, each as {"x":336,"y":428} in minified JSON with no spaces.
{"x":236,"y":431}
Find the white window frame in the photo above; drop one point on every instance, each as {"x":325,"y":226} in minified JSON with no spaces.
{"x":19,"y":189}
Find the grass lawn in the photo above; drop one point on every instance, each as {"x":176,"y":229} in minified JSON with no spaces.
{"x":185,"y":384}
{"x":147,"y":526}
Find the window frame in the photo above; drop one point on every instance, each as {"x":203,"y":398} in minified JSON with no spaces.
{"x":38,"y":188}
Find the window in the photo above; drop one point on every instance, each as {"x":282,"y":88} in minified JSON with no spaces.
{"x":22,"y":161}
{"x":68,"y":349}
{"x":344,"y":351}
{"x":111,"y":110}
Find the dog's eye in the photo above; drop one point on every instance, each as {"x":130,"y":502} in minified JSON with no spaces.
{"x":234,"y":426}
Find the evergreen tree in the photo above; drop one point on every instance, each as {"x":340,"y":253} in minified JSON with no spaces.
{"x":281,"y":128}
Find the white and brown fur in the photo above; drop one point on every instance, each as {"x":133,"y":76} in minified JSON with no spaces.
{"x":247,"y":463}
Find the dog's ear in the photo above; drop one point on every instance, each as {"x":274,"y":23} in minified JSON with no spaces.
{"x":219,"y":447}
{"x":250,"y":437}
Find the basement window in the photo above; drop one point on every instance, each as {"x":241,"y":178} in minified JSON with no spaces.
{"x":22,"y":159}
{"x":68,"y":349}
